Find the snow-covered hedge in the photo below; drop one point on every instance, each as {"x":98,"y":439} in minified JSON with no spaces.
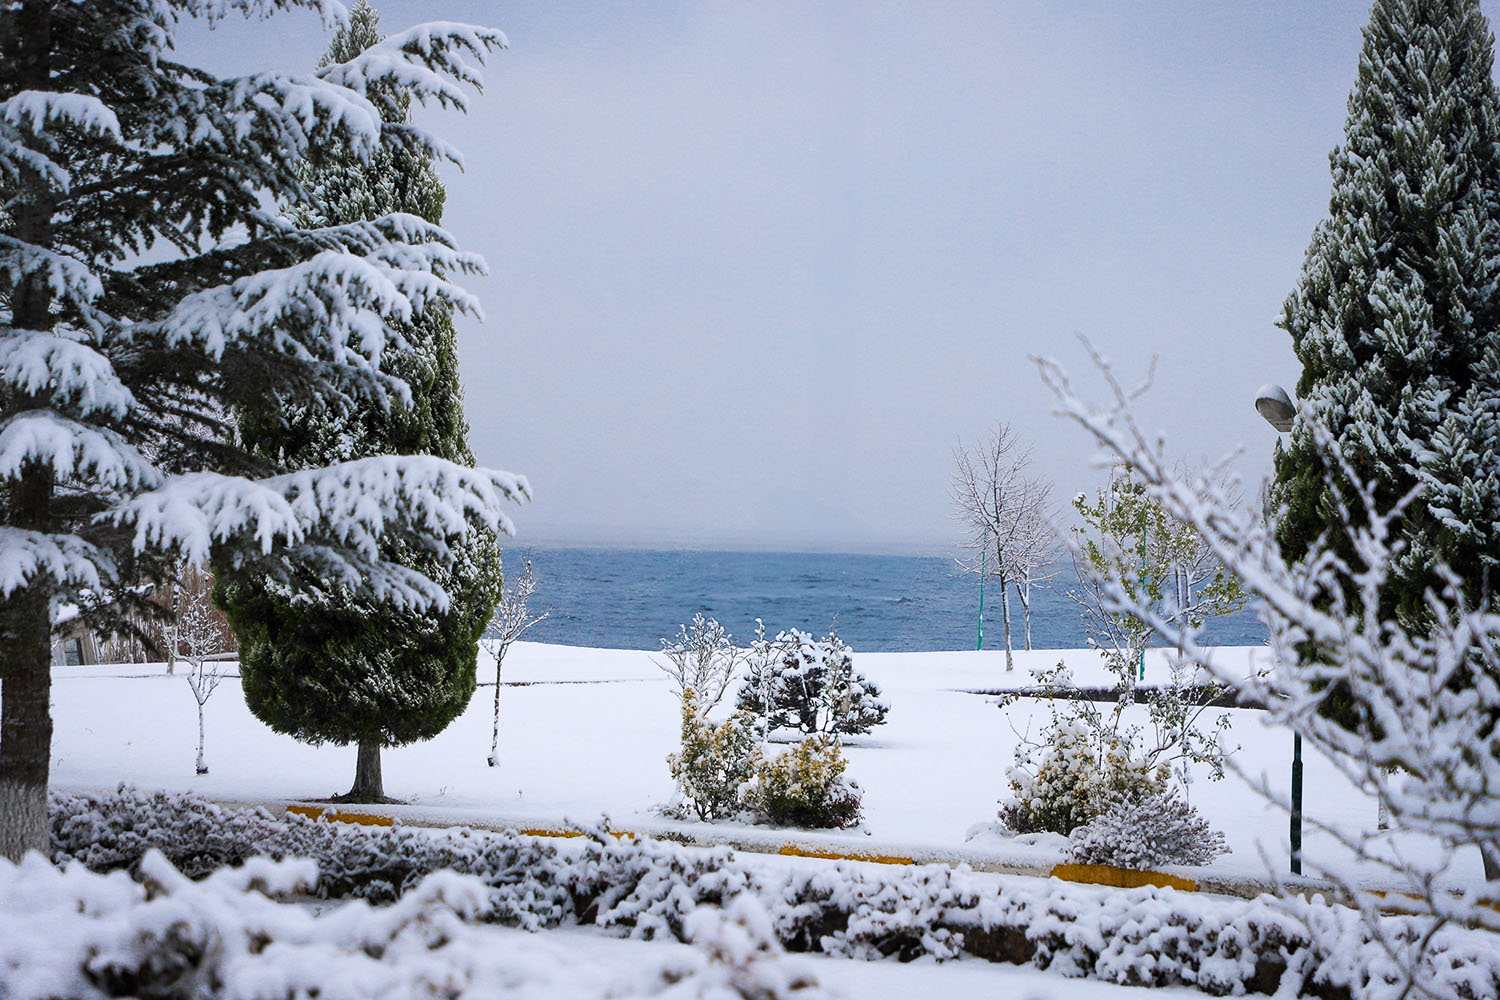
{"x":645,"y":889}
{"x":78,"y":934}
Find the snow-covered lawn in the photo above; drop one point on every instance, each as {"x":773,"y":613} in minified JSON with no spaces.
{"x":585,"y":732}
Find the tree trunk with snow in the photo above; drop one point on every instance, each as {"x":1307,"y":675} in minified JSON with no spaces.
{"x":202,"y":766}
{"x":368,"y":784}
{"x":494,"y":757}
{"x":26,"y":672}
{"x":1010,"y":663}
{"x":25,"y":726}
{"x":1023,"y":593}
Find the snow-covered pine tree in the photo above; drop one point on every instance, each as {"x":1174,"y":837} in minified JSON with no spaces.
{"x":321,"y":661}
{"x":810,"y":685}
{"x":118,"y":367}
{"x":1396,"y":318}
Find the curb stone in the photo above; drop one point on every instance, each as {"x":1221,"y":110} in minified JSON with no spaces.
{"x":1104,"y":875}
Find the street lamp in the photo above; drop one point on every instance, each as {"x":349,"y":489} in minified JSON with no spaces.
{"x":1273,"y":403}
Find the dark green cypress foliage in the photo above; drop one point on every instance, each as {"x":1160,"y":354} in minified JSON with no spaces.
{"x":317,"y":662}
{"x":1396,"y":318}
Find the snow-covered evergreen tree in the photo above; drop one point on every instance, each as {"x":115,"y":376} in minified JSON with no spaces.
{"x":320,"y":661}
{"x":118,"y":367}
{"x":1396,"y":318}
{"x":810,"y":685}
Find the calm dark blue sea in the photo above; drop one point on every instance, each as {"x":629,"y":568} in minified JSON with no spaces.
{"x":632,"y":599}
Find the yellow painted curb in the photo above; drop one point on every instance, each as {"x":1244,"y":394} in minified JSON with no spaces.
{"x":1094,"y":874}
{"x":1122,"y":878}
{"x":339,"y":816}
{"x":880,"y":859}
{"x":549,"y":832}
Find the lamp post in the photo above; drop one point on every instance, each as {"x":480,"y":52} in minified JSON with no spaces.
{"x":1273,"y":403}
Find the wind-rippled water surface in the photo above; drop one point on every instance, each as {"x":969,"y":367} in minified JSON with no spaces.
{"x":633,"y":598}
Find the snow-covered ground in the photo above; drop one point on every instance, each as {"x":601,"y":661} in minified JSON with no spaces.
{"x":597,"y":957}
{"x":585,"y":732}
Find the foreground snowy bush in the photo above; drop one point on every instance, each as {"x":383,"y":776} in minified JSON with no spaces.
{"x":240,"y":933}
{"x":1146,"y":832}
{"x":646,"y":889}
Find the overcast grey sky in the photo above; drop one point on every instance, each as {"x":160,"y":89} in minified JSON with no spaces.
{"x":757,"y":267}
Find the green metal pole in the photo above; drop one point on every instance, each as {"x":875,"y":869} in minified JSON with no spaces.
{"x":1296,"y":803}
{"x":979,"y":643}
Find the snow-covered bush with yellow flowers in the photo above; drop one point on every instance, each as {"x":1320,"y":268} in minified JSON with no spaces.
{"x":1061,"y":780}
{"x":804,"y":785}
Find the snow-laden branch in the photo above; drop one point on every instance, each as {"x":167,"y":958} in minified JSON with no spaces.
{"x":70,"y":280}
{"x":420,"y":62}
{"x":75,"y":374}
{"x":18,"y":160}
{"x":72,"y":450}
{"x":332,"y":12}
{"x":352,"y":506}
{"x":26,"y":117}
{"x":349,"y":300}
{"x":33,"y":110}
{"x":399,"y":587}
{"x":66,"y":559}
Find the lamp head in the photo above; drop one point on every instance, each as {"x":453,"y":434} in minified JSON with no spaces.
{"x":1272,"y":402}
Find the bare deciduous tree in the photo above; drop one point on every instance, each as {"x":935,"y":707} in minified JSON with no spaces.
{"x":1007,"y":513}
{"x":1036,"y":550}
{"x":196,"y":634}
{"x":701,"y":658}
{"x":511,"y":620}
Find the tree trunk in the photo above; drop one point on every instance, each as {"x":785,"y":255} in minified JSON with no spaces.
{"x":1005,"y":616}
{"x":495,"y":725}
{"x":25,"y":616}
{"x":368,"y":786}
{"x":202,"y":767}
{"x":1023,"y":591}
{"x":1491,"y":854}
{"x":25,"y":726}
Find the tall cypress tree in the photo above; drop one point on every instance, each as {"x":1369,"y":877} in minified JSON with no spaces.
{"x":1396,"y":318}
{"x":318,"y":661}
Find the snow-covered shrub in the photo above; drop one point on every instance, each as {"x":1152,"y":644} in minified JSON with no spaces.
{"x":240,"y":933}
{"x":1062,"y":781}
{"x":804,"y":786}
{"x":810,"y":685}
{"x":532,"y":884}
{"x":715,"y":760}
{"x":736,"y":956}
{"x":1142,"y":832}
